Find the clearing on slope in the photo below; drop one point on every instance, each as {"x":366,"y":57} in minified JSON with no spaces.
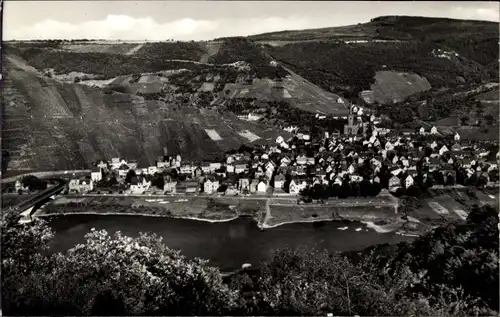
{"x":393,"y":86}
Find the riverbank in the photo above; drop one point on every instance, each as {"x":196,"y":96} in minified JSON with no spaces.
{"x":48,"y":215}
{"x":378,"y":214}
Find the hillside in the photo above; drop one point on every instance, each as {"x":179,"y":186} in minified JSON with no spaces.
{"x":446,"y":52}
{"x":68,"y":103}
{"x":49,"y":125}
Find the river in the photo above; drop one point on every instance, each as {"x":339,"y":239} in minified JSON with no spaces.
{"x":227,"y":245}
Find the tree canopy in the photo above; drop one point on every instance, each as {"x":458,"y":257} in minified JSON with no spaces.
{"x":450,"y":271}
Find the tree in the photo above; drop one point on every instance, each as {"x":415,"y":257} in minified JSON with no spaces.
{"x":158,"y":181}
{"x":375,"y":189}
{"x":489,"y":119}
{"x":413,"y":191}
{"x":493,"y":174}
{"x":33,"y":183}
{"x":333,"y":190}
{"x":463,"y":120}
{"x":129,"y":176}
{"x":450,"y":180}
{"x":356,"y":191}
{"x":139,"y":276}
{"x":365,"y":188}
{"x":222,"y":188}
{"x":345,"y":189}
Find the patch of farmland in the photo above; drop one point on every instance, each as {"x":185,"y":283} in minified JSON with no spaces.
{"x":213,"y":134}
{"x":461,"y":213}
{"x":307,"y":96}
{"x":391,"y":85}
{"x":438,"y":208}
{"x":207,"y":87}
{"x":121,"y":48}
{"x":249,"y":135}
{"x":485,"y":199}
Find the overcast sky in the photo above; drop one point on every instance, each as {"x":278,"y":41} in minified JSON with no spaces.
{"x":205,"y":20}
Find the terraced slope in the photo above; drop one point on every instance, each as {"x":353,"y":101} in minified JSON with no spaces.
{"x":50,"y":125}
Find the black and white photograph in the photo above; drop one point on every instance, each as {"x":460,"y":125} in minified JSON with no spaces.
{"x":249,"y":158}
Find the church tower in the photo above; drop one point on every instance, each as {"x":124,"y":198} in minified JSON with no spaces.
{"x":353,"y":125}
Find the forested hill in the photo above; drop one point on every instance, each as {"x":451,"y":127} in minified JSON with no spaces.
{"x":345,"y":59}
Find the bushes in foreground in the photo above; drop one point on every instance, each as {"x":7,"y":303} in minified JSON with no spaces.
{"x":452,"y":271}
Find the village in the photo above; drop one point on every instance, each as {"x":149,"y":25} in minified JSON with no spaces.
{"x":360,"y":162}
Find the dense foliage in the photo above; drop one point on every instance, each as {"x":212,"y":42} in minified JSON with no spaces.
{"x":171,"y":50}
{"x":241,"y":49}
{"x":458,"y":255}
{"x":33,"y":183}
{"x":350,"y":68}
{"x":451,"y":271}
{"x":454,"y":104}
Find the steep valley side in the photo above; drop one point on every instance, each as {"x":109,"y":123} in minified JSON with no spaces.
{"x":49,"y":125}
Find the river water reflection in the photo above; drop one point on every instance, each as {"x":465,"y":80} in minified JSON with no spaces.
{"x":226,"y":244}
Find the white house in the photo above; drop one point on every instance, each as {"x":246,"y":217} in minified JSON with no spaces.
{"x":152,"y":170}
{"x":389,"y":146}
{"x":394,"y":183}
{"x":123,"y":170}
{"x":139,"y":187}
{"x":214,"y":166}
{"x":443,"y":149}
{"x":230,"y":168}
{"x":115,"y":163}
{"x":296,"y":187}
{"x":102,"y":165}
{"x":280,"y":139}
{"x":279,"y":181}
{"x":80,"y":185}
{"x":210,"y":186}
{"x":408,"y":181}
{"x":170,"y":187}
{"x":96,"y":174}
{"x":422,"y":130}
{"x":351,"y":169}
{"x":285,"y":161}
{"x":132,"y":164}
{"x":240,"y":168}
{"x":434,"y":130}
{"x":338,"y":181}
{"x":261,"y":187}
{"x":456,"y":136}
{"x":301,"y":160}
{"x":186,"y":169}
{"x":162,"y":164}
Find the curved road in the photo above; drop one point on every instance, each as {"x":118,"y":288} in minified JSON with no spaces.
{"x":40,"y":197}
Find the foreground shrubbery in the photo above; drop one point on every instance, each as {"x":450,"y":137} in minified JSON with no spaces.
{"x":452,"y":271}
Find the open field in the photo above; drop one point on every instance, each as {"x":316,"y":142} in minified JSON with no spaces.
{"x":121,"y":48}
{"x":249,"y":135}
{"x":390,"y":85}
{"x":213,"y":134}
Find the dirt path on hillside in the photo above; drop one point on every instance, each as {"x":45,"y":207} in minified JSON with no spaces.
{"x":134,"y":50}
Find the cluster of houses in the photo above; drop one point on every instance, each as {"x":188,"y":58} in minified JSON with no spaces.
{"x":288,"y":166}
